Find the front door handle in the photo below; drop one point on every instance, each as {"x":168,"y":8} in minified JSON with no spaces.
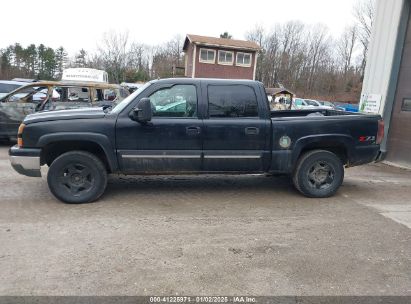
{"x":252,"y":131}
{"x":193,"y":130}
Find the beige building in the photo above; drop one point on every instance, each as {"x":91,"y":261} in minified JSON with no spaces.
{"x":387,"y":81}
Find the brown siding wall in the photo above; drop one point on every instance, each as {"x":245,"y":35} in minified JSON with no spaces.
{"x":399,"y":135}
{"x":208,"y":70}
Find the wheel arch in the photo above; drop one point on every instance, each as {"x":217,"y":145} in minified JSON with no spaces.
{"x":340,"y":144}
{"x":55,"y":144}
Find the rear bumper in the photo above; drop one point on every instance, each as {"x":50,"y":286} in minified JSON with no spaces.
{"x":25,"y":161}
{"x":365,"y":155}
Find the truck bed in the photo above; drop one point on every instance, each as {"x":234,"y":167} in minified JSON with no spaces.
{"x":313,"y":112}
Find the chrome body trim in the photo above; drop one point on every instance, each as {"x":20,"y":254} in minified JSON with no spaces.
{"x":159,"y":156}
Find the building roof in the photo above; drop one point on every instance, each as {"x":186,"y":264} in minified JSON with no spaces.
{"x":220,"y":42}
{"x":275,"y":91}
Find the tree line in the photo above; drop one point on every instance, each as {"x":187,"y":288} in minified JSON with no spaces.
{"x":310,"y":62}
{"x":36,"y":62}
{"x":305,"y":59}
{"x":123,"y":60}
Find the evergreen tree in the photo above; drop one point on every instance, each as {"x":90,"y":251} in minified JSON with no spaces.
{"x":61,"y":61}
{"x":81,"y":59}
{"x":226,"y":35}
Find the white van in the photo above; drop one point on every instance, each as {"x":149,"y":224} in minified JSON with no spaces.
{"x":85,"y":74}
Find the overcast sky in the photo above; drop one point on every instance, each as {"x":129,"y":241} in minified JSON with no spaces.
{"x":77,"y":24}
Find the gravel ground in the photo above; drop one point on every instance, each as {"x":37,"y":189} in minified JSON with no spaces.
{"x":208,"y":235}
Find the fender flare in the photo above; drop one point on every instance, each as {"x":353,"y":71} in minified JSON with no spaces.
{"x":340,"y":139}
{"x":101,"y":140}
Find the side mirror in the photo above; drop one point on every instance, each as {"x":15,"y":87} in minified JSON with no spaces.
{"x":142,"y":112}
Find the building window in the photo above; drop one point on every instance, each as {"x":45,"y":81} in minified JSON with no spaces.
{"x":406,"y":104}
{"x":225,"y":57}
{"x":207,"y":56}
{"x":243,"y":59}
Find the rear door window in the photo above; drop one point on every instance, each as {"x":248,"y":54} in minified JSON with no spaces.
{"x":232,"y":101}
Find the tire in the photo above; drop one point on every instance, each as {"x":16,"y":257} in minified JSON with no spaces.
{"x":77,"y":177}
{"x":318,"y":173}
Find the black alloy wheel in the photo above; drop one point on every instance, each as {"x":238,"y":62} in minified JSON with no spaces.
{"x":318,"y":173}
{"x":77,"y":177}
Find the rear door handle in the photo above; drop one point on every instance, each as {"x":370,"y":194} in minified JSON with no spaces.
{"x":193,"y":130}
{"x":252,"y":131}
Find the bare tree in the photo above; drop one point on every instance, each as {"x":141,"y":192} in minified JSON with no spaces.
{"x":292,"y":45}
{"x":138,"y":63}
{"x":271,"y":59}
{"x":364,"y":11}
{"x":137,"y":56}
{"x":345,"y":47}
{"x":113,"y":53}
{"x":317,"y":50}
{"x":167,"y":59}
{"x":257,"y":35}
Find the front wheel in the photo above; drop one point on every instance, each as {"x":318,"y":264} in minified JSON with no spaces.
{"x":319,"y":173}
{"x":77,"y":177}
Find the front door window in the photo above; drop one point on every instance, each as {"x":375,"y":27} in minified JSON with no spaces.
{"x":177,"y":101}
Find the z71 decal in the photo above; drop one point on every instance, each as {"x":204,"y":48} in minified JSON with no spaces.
{"x":366,"y":138}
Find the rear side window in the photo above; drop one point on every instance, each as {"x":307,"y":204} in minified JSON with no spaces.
{"x":71,"y":94}
{"x":232,"y":101}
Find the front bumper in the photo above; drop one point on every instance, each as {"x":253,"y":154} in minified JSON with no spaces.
{"x":25,"y":161}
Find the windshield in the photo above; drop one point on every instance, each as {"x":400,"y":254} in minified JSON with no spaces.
{"x":120,"y":106}
{"x":27,"y":94}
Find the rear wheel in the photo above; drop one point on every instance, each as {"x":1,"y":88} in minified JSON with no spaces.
{"x":318,"y":173}
{"x":77,"y":177}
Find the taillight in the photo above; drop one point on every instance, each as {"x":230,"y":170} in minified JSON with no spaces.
{"x":20,"y":135}
{"x":380,"y":133}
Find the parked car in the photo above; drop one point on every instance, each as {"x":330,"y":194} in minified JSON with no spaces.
{"x":7,"y":86}
{"x":316,"y":103}
{"x":347,"y":107}
{"x":327,"y":104}
{"x":226,"y":126}
{"x":50,"y":95}
{"x":300,"y":104}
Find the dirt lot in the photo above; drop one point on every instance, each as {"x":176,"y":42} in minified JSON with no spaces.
{"x":209,"y":235}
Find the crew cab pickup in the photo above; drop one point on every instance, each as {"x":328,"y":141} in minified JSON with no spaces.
{"x":193,"y":126}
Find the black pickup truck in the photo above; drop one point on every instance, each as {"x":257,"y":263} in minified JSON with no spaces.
{"x":191,"y":126}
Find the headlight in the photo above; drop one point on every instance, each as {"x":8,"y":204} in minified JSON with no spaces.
{"x":20,"y":135}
